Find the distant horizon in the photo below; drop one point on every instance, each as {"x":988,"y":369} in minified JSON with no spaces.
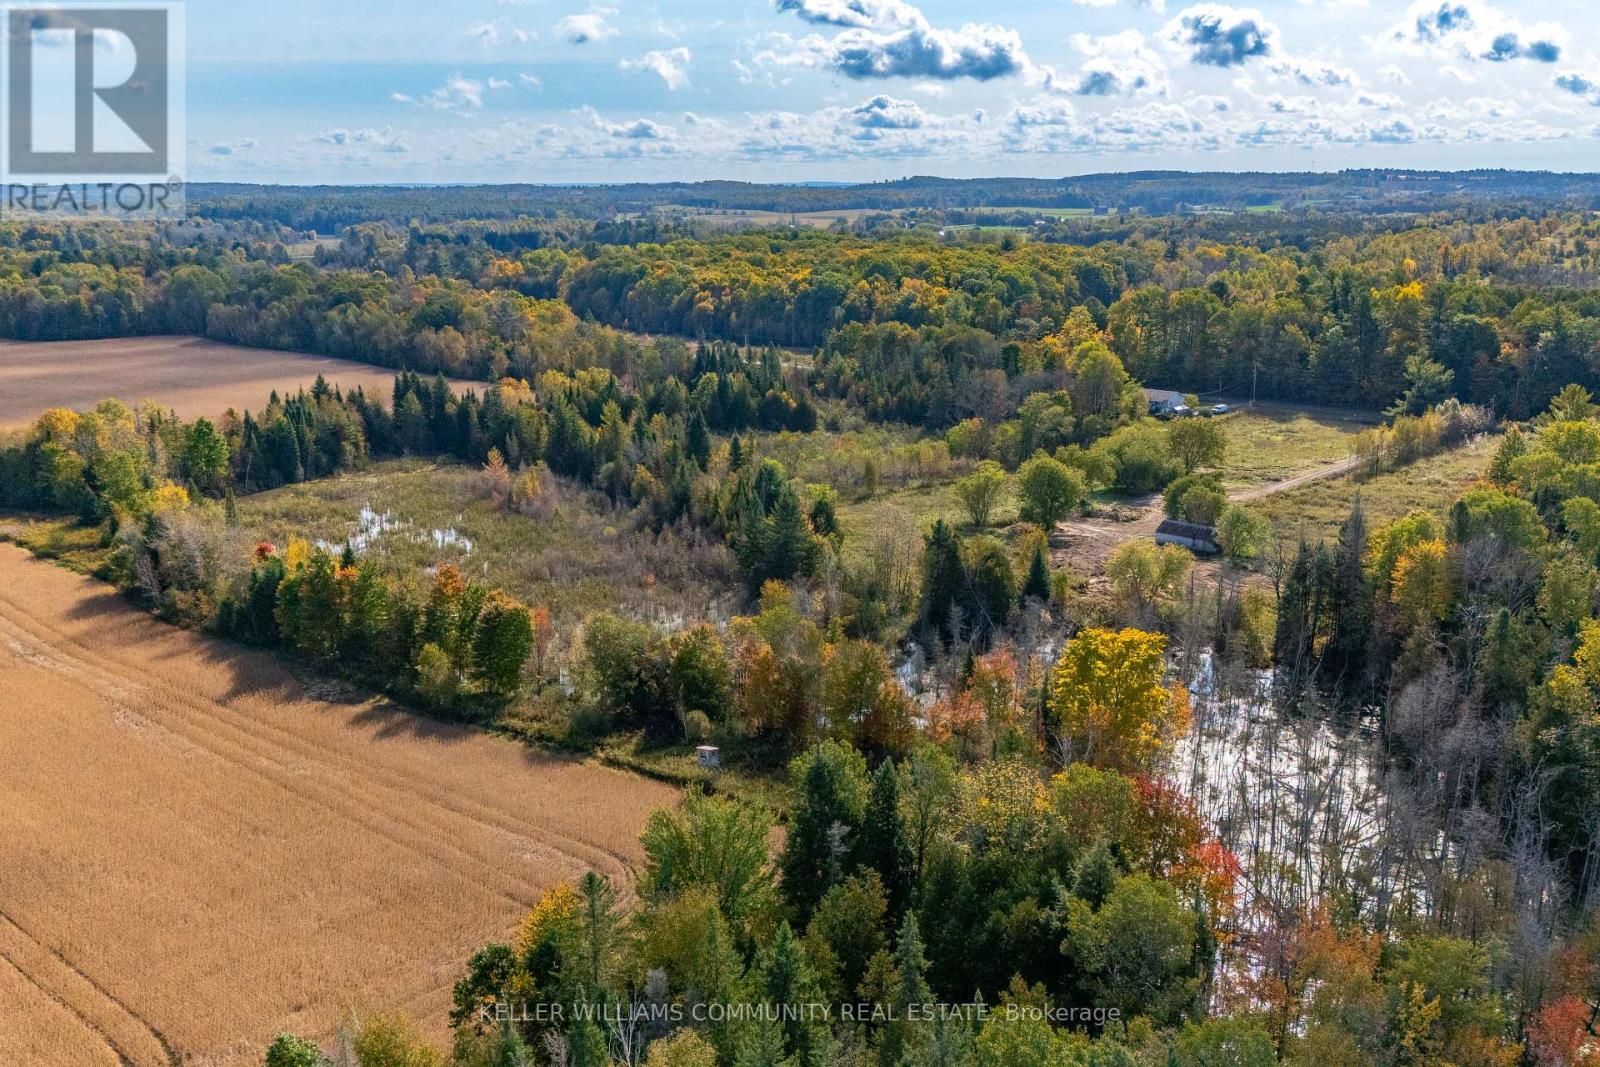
{"x":836,"y":184}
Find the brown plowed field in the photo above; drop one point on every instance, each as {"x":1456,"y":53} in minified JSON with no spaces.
{"x":196,"y":851}
{"x":191,"y":375}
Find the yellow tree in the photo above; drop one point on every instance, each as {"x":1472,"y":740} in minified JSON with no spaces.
{"x":1424,"y":582}
{"x":1109,"y":701}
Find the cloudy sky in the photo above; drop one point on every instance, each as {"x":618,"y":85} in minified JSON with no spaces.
{"x":812,"y":90}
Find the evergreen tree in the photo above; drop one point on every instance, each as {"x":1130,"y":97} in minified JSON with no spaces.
{"x":830,"y":785}
{"x":781,"y":546}
{"x":885,"y":845}
{"x":824,"y":516}
{"x":906,"y":1038}
{"x":411,"y":426}
{"x":205,"y":456}
{"x":697,"y":441}
{"x":502,"y":641}
{"x":1095,"y":874}
{"x":1351,"y":601}
{"x":942,"y":578}
{"x":988,"y":587}
{"x":1295,"y":640}
{"x":790,"y":984}
{"x":1037,"y":584}
{"x":1512,"y":446}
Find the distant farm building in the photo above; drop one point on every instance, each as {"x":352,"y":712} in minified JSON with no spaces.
{"x":1163,"y":401}
{"x":1191,"y":535}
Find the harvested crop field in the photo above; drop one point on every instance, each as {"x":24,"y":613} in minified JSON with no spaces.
{"x":198,"y":851}
{"x":191,"y":375}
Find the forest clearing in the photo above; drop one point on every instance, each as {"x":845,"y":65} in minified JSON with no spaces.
{"x":191,"y":375}
{"x":245,"y":854}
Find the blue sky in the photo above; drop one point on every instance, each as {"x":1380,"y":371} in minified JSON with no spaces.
{"x":785,"y":90}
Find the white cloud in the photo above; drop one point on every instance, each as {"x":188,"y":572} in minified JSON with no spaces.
{"x":1121,"y":64}
{"x":1579,"y":83}
{"x":584,"y":29}
{"x":1474,"y":31}
{"x":1313,"y":72}
{"x":1154,"y":5}
{"x":671,"y":66}
{"x":496,"y":32}
{"x":893,"y":39}
{"x":1215,"y":35}
{"x":384,"y":139}
{"x":887,"y":113}
{"x":858,"y":14}
{"x":458,"y":93}
{"x":234,"y":147}
{"x":530,"y":81}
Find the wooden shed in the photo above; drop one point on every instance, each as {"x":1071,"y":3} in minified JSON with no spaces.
{"x":1191,"y":535}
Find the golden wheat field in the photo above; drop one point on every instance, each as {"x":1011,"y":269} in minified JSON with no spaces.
{"x":191,"y":375}
{"x":197,"y":850}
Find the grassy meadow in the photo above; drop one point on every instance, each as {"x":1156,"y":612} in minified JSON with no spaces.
{"x":578,"y":555}
{"x":1272,"y":442}
{"x":1432,"y":484}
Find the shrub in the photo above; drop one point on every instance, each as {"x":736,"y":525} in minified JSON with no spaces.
{"x":1202,"y":504}
{"x":1243,"y":534}
{"x":436,"y":676}
{"x":1139,"y":455}
{"x":287,"y":1050}
{"x":696,"y":727}
{"x":980,"y":492}
{"x":1049,"y":489}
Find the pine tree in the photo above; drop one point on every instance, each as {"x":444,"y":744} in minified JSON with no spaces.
{"x":1512,"y":445}
{"x":885,"y":845}
{"x":597,"y":930}
{"x":502,"y":641}
{"x":783,"y":545}
{"x":830,"y":785}
{"x":1345,"y":658}
{"x":1095,"y":874}
{"x":1037,"y":584}
{"x":697,"y":441}
{"x":905,"y":1039}
{"x":1294,"y":644}
{"x":790,"y":984}
{"x":942,"y":578}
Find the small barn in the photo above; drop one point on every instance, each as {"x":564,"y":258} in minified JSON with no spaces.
{"x":1164,"y":401}
{"x":1194,"y":536}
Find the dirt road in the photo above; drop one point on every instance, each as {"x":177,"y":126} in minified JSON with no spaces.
{"x":1085,"y":544}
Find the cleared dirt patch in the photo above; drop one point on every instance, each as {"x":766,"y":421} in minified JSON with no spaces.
{"x":191,"y":375}
{"x":196,"y":851}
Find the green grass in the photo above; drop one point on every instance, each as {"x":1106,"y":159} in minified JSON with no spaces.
{"x":62,"y":539}
{"x":1276,"y":441}
{"x":902,"y":517}
{"x":578,"y":556}
{"x":1432,"y":484}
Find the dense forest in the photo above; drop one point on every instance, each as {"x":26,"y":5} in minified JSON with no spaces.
{"x":329,"y":208}
{"x":1000,"y":841}
{"x":915,"y":327}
